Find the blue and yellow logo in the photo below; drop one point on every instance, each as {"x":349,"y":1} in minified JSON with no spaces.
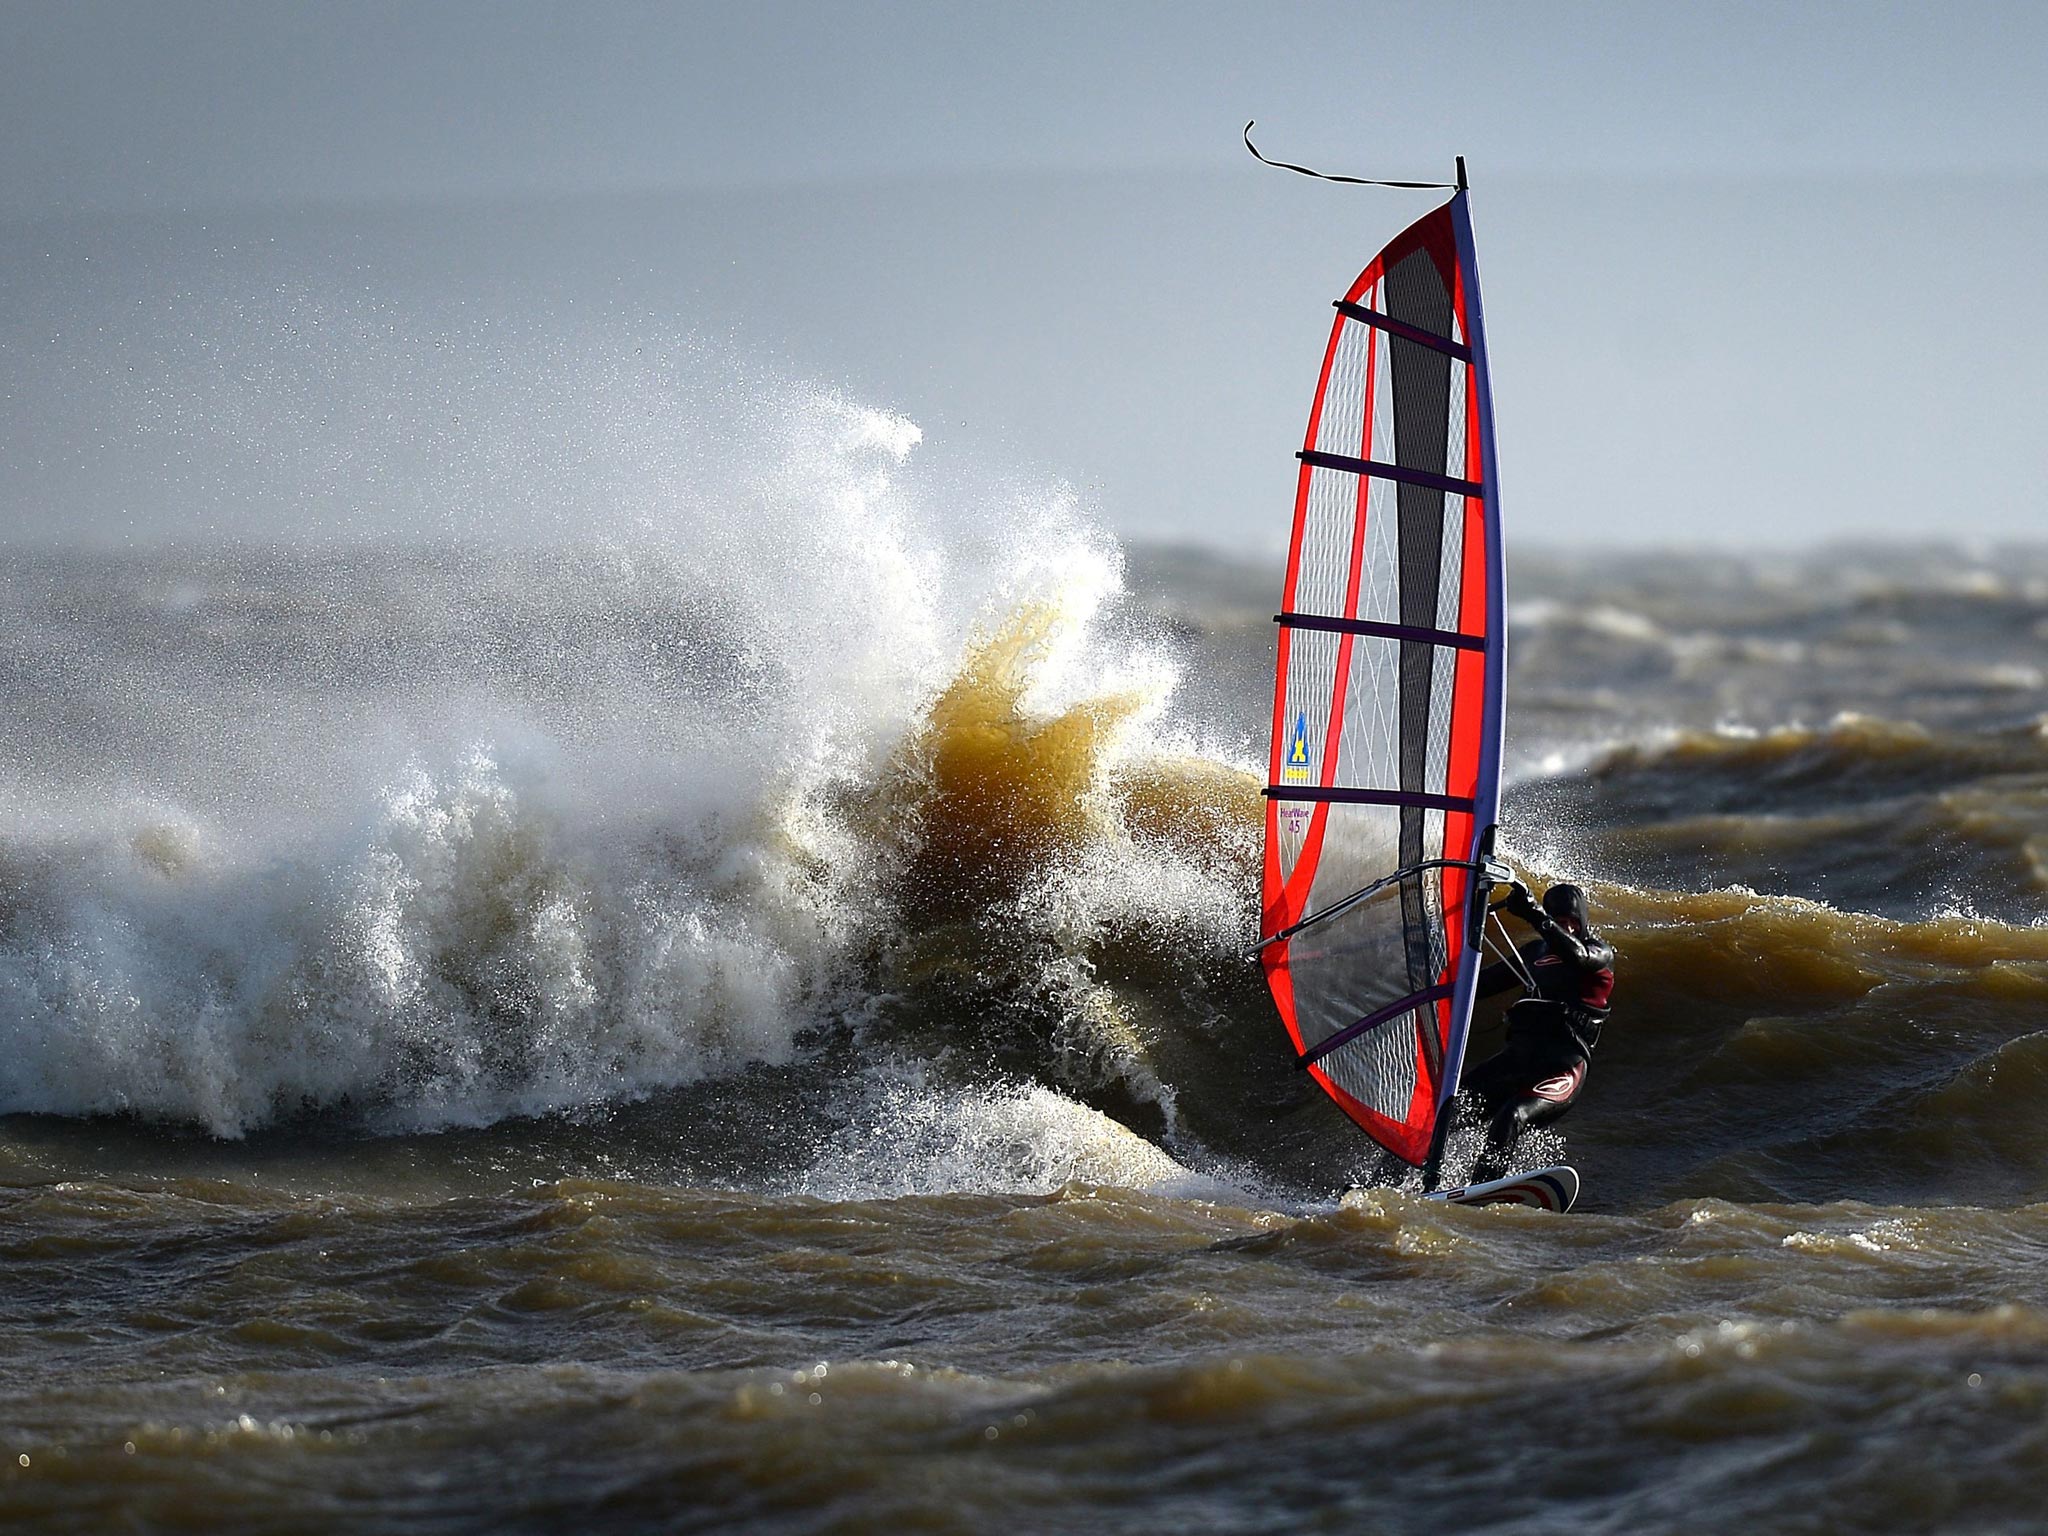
{"x":1296,"y":769}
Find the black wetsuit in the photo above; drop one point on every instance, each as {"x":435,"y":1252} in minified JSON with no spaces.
{"x":1536,"y":1077}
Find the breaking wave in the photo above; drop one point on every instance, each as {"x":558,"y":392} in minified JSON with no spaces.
{"x":549,"y":829}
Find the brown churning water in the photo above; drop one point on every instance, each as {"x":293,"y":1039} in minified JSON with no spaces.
{"x":491,"y":1043}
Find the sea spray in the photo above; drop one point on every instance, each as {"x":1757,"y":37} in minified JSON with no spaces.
{"x":484,"y":832}
{"x":909,"y":1136}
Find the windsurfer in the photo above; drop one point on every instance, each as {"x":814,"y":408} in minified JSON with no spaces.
{"x":1568,"y":972}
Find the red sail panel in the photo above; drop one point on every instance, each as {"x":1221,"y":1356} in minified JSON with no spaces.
{"x":1386,"y":706}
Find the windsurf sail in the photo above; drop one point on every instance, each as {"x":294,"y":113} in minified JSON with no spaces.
{"x":1384,"y":783}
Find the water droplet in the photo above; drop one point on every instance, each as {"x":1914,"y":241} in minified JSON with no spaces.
{"x":1976,"y":1380}
{"x":816,"y":1399}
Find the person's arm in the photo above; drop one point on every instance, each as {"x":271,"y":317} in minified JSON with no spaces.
{"x":1583,"y":954}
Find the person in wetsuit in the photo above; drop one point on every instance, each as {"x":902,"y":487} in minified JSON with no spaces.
{"x":1537,"y":1076}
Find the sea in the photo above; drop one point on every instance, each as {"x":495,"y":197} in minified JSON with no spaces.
{"x":739,"y":1020}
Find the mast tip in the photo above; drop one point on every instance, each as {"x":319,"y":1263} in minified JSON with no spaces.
{"x":1461,"y":173}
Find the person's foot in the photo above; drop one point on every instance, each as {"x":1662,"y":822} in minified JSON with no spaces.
{"x":1493,"y":1161}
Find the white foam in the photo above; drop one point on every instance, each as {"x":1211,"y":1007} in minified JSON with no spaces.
{"x":556,"y":893}
{"x":464,"y":958}
{"x":553,"y":883}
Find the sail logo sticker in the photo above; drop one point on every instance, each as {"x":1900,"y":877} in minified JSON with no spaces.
{"x":1296,"y":769}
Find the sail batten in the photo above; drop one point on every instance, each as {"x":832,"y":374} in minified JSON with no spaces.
{"x":1424,"y":479}
{"x":1384,"y":781}
{"x":1380,"y":631}
{"x":1402,"y":329}
{"x":1356,"y":794}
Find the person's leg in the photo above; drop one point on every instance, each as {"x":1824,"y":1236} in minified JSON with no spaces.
{"x":1497,"y":1083}
{"x":1501,"y":1073}
{"x":1549,"y":1098}
{"x":1542,"y":1102}
{"x":1502,"y":1127}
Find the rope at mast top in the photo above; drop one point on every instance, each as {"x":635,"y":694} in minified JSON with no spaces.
{"x":1352,"y":181}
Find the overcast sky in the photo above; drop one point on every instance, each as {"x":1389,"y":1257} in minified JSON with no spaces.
{"x":1753,"y":271}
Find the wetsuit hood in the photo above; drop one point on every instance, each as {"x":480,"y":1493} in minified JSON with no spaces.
{"x":1567,"y":904}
